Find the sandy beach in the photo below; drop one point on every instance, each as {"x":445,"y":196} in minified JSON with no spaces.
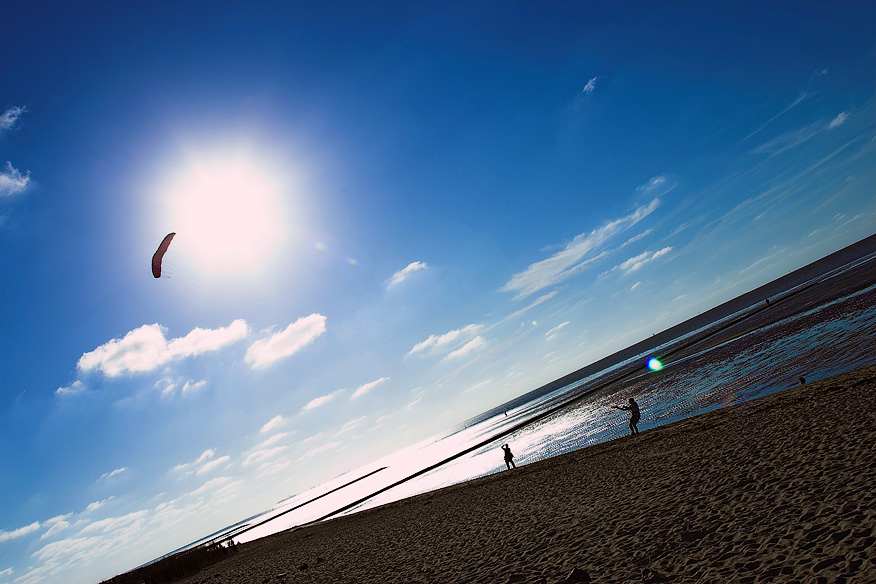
{"x":779,"y":489}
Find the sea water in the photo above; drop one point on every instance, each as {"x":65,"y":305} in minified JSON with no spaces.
{"x":820,"y":342}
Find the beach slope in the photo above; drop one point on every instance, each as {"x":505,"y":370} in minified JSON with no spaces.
{"x":778,"y":489}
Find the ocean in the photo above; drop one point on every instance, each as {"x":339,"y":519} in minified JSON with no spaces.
{"x":815,"y":323}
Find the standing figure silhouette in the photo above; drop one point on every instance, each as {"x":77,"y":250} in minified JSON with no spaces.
{"x":509,"y":457}
{"x":633,"y":408}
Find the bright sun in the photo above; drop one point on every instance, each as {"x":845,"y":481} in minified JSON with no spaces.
{"x":229,"y":216}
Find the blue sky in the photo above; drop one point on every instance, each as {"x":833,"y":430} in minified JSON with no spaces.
{"x":390,"y":217}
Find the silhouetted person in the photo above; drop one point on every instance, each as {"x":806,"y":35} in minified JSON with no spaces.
{"x":509,"y":457}
{"x":633,"y":408}
{"x":802,"y":380}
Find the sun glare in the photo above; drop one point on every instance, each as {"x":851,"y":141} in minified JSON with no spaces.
{"x":228,"y":216}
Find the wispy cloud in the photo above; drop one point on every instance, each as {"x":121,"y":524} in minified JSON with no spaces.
{"x":272,"y":440}
{"x":12,"y":181}
{"x":577,"y":254}
{"x":352,"y":424}
{"x":273,"y":424}
{"x":438,"y":343}
{"x":318,"y":401}
{"x":10,"y":117}
{"x":590,"y":87}
{"x":365,"y":388}
{"x":473,"y":345}
{"x":72,"y":389}
{"x":800,"y":97}
{"x":113,"y":473}
{"x":553,"y":332}
{"x":656,"y":186}
{"x":97,"y":505}
{"x":56,"y":525}
{"x":839,"y":120}
{"x":635,"y":263}
{"x":169,"y":385}
{"x":207,"y":467}
{"x":146,"y":348}
{"x":795,"y":138}
{"x":403,"y":274}
{"x":287,"y":342}
{"x":204,"y":463}
{"x":517,"y":313}
{"x":318,"y":450}
{"x":20,"y":532}
{"x":260,"y":456}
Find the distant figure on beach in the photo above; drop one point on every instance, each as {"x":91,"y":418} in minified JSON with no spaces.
{"x":509,"y":457}
{"x":802,"y":380}
{"x":633,"y":408}
{"x":768,"y":301}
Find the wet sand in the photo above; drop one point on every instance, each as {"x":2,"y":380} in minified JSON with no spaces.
{"x":778,"y":489}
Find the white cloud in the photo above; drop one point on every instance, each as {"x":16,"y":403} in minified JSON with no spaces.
{"x":293,"y":338}
{"x":541,"y":299}
{"x":262,"y":455}
{"x":636,"y":262}
{"x":203,"y":340}
{"x":213,"y":464}
{"x":839,"y":120}
{"x":794,"y":138}
{"x":12,"y":181}
{"x":591,"y":86}
{"x":146,"y":348}
{"x":97,"y":505}
{"x":193,"y":385}
{"x":318,"y":450}
{"x":790,"y":139}
{"x":470,"y":347}
{"x":20,"y":532}
{"x":114,"y":523}
{"x":574,"y":257}
{"x":185,"y":466}
{"x":10,"y":117}
{"x":350,"y":425}
{"x":636,"y":285}
{"x":363,"y":389}
{"x":655,"y":183}
{"x":553,"y":332}
{"x":114,"y":473}
{"x":479,"y":385}
{"x":436,"y":343}
{"x":206,"y":455}
{"x":211,"y":484}
{"x":72,"y":389}
{"x":169,"y":385}
{"x":800,"y":97}
{"x":272,"y":440}
{"x":273,"y":423}
{"x":272,"y":467}
{"x":403,"y":274}
{"x":318,"y":401}
{"x":636,"y":238}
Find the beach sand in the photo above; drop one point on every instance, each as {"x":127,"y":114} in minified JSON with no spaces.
{"x":778,"y":489}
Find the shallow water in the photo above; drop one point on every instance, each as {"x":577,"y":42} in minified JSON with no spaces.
{"x":820,"y":342}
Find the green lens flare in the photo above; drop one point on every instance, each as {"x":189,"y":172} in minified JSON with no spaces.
{"x":654,"y":364}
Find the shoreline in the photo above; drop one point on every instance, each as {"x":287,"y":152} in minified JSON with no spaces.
{"x":773,"y":489}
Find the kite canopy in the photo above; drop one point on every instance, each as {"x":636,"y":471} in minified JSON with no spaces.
{"x":159,"y":254}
